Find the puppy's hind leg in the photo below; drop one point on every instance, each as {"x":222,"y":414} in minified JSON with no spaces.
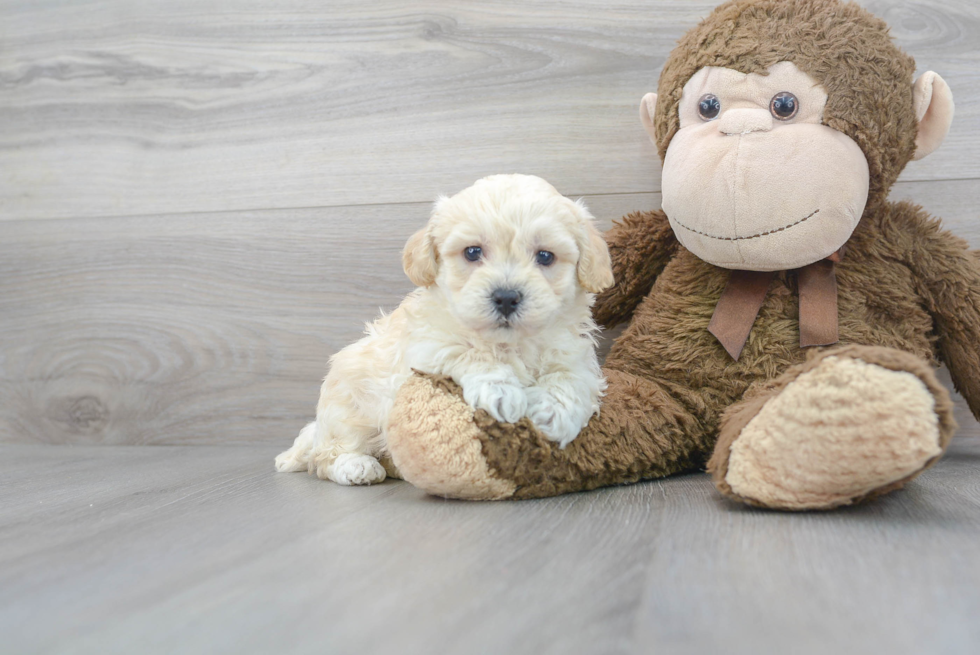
{"x":297,"y":458}
{"x":355,"y":399}
{"x":344,"y":446}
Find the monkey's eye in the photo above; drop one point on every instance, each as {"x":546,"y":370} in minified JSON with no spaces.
{"x":784,"y":105}
{"x":545,"y":258}
{"x":473,"y":253}
{"x":708,"y":106}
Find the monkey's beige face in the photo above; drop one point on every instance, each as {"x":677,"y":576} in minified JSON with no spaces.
{"x":752,"y":179}
{"x":512,"y":255}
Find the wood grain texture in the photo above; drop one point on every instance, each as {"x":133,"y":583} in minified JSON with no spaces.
{"x":120,"y":108}
{"x":206,"y":550}
{"x":215,"y":328}
{"x":186,"y":329}
{"x":201,"y":201}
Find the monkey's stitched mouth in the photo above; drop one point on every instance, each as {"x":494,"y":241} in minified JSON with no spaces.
{"x":754,"y":236}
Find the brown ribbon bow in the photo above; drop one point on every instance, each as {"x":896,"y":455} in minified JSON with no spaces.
{"x":745,"y":292}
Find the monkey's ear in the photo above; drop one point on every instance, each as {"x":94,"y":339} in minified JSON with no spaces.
{"x":648,"y":108}
{"x":419,"y":259}
{"x":933,"y":104}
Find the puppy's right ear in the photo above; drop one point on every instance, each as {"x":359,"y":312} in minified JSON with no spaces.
{"x":419,"y":259}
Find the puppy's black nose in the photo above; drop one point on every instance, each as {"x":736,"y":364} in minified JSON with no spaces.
{"x":506,"y":301}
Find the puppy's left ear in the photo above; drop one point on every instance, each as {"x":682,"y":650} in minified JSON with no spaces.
{"x":419,"y":259}
{"x":594,"y":266}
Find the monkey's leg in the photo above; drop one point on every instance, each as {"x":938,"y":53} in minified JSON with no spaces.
{"x":849,"y":424}
{"x":442,"y":447}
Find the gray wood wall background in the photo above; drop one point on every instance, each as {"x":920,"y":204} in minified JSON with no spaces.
{"x":200,"y":201}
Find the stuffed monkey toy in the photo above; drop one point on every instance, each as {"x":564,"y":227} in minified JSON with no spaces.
{"x":785,"y":318}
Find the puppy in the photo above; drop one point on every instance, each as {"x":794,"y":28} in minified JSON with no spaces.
{"x":506,"y":270}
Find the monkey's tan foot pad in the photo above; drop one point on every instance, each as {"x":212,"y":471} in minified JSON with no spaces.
{"x":849,"y":424}
{"x":436,"y":445}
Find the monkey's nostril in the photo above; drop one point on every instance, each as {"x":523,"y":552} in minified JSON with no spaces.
{"x":506,"y":301}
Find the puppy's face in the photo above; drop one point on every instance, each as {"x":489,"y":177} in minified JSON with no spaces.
{"x":511,"y":255}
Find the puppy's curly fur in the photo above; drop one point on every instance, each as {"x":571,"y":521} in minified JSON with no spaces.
{"x":511,"y":325}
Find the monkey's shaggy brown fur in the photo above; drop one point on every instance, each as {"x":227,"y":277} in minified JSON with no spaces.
{"x":906,"y":287}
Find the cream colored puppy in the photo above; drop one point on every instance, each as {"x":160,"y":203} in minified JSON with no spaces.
{"x":506,"y":270}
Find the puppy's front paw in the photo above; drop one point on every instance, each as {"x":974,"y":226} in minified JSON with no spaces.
{"x":553,"y":419}
{"x":504,"y":401}
{"x":352,"y":469}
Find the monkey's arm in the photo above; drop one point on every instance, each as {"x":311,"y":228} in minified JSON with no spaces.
{"x":949,"y":280}
{"x":640,"y":246}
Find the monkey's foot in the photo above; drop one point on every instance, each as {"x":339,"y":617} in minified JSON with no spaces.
{"x":849,"y":424}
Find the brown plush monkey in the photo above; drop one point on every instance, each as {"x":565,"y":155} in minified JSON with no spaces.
{"x":799,"y":370}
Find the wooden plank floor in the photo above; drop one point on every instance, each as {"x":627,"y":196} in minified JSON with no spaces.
{"x":201,"y":550}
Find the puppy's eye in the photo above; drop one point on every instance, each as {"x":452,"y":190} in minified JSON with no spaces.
{"x":473,"y":253}
{"x":784,"y":105}
{"x":544,"y":257}
{"x":708,"y":106}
